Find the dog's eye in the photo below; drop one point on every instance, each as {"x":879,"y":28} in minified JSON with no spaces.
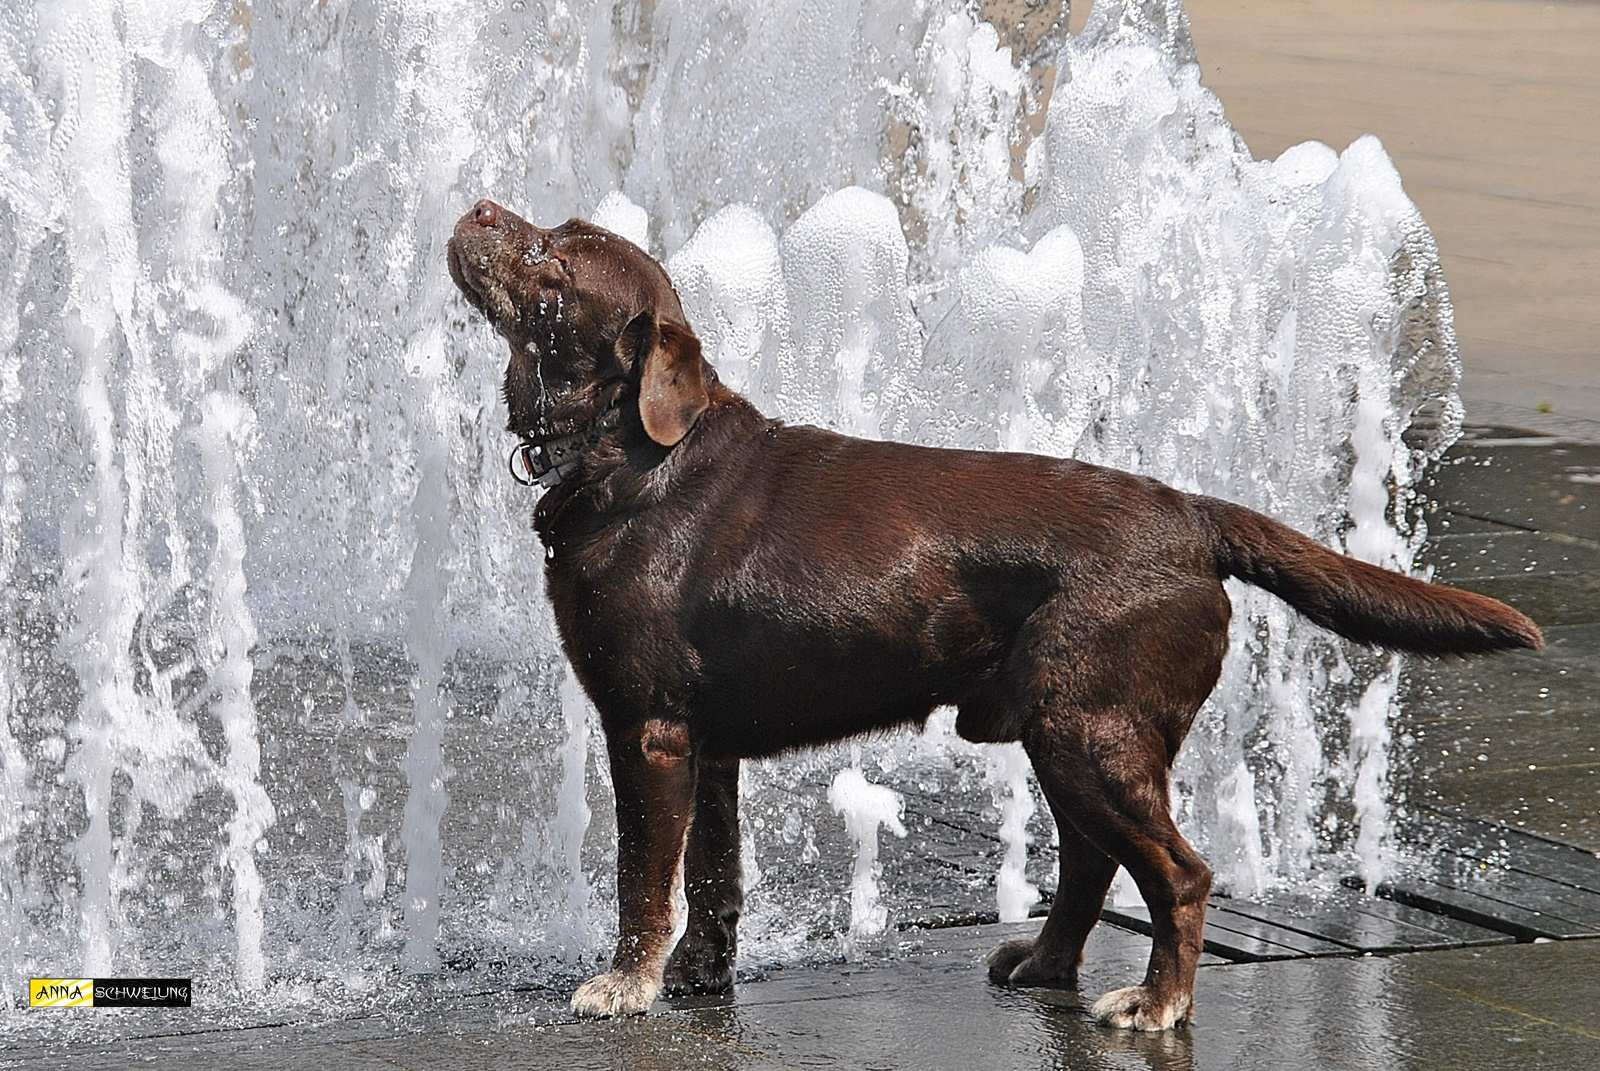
{"x":544,"y":257}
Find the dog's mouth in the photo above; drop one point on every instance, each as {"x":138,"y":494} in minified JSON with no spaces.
{"x":473,"y":273}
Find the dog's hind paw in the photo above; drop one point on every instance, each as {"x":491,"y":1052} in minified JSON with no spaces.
{"x":1018,"y":963}
{"x":615,"y":993}
{"x":1138,"y":1008}
{"x":1004,"y":959}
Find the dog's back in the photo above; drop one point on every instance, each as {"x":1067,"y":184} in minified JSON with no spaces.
{"x":835,"y":585}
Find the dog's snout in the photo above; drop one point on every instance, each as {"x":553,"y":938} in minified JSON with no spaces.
{"x":486,"y":213}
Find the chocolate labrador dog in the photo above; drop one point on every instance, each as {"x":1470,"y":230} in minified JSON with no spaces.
{"x":727,"y":586}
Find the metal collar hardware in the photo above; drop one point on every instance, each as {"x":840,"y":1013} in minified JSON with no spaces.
{"x":547,"y":463}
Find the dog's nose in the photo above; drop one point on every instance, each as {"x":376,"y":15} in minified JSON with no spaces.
{"x":486,"y":213}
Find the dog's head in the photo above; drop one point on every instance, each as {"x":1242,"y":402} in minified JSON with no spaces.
{"x":592,"y":321}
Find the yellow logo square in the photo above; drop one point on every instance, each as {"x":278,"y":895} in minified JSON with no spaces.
{"x":61,"y":992}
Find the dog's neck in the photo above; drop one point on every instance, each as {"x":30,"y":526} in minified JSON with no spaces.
{"x":626,"y":471}
{"x":547,"y":461}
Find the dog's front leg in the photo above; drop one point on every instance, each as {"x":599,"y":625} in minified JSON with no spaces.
{"x":704,"y":959}
{"x":652,"y":769}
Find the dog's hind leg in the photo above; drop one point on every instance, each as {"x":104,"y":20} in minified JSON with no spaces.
{"x":652,"y":770}
{"x":703,"y":962}
{"x":1053,"y":958}
{"x":1116,"y":797}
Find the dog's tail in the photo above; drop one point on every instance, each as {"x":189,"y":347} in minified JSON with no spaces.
{"x":1359,"y":601}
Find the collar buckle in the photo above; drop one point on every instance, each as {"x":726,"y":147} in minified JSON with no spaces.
{"x":545,"y":464}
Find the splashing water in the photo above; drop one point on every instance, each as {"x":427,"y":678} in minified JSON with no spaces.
{"x":865,"y":808}
{"x":1007,"y":775}
{"x":282,"y":699}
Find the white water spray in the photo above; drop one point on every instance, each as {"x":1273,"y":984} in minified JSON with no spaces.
{"x":229,"y":635}
{"x":865,"y":808}
{"x":1007,"y":774}
{"x":571,"y":926}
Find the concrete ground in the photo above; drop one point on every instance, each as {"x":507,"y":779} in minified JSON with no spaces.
{"x":1506,"y":1007}
{"x":1515,"y":739}
{"x":1487,"y":107}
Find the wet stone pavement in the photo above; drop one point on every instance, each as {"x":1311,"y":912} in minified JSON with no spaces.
{"x":1516,"y":739}
{"x":1480,"y":956}
{"x":1510,"y":1006}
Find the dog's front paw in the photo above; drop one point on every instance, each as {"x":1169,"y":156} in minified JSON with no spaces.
{"x":697,"y":968}
{"x":615,"y":993}
{"x":1018,"y":963}
{"x":1139,"y":1008}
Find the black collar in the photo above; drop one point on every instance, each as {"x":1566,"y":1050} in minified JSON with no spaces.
{"x":547,"y":462}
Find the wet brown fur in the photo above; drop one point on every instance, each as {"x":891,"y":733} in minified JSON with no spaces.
{"x":727,"y":586}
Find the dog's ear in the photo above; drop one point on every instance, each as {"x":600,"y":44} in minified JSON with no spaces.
{"x":672,"y":375}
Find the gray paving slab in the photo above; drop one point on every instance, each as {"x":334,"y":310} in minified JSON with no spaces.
{"x":1238,"y":938}
{"x":1514,"y":740}
{"x":1552,"y":599}
{"x":1527,"y":485}
{"x":1461,"y":934}
{"x":1515,"y":885}
{"x":1519,"y":851}
{"x":1512,"y":1006}
{"x":1560,"y":801}
{"x":1479,"y":907}
{"x":1494,"y":411}
{"x":1362,"y":924}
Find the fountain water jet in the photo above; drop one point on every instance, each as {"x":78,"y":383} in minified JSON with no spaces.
{"x":865,"y":808}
